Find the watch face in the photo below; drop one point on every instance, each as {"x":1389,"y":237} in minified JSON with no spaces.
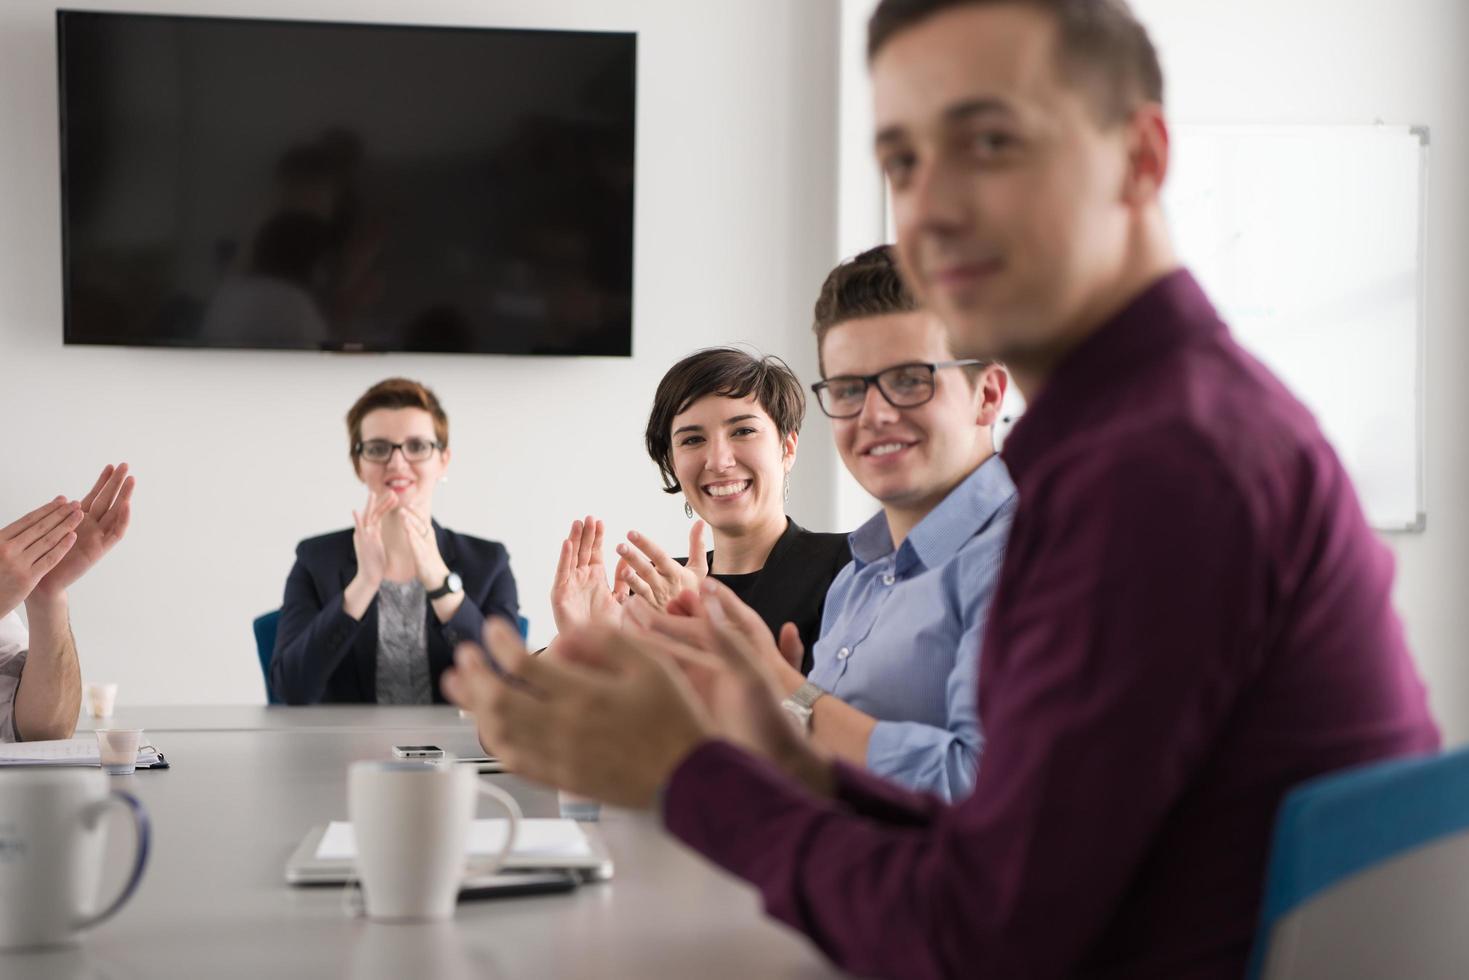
{"x":454,"y":582}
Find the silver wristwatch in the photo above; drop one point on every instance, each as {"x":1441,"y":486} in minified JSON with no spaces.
{"x":800,"y":702}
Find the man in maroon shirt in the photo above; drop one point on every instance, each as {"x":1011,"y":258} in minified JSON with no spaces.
{"x":1191,"y":618}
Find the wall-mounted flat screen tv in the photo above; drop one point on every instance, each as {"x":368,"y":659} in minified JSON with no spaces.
{"x":239,"y":183}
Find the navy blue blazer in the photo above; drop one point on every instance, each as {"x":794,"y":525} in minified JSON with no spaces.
{"x":322,"y":655}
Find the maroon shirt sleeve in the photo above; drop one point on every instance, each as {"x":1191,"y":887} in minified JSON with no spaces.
{"x":1110,"y":667}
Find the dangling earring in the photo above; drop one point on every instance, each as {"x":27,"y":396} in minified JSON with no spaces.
{"x":688,"y":510}
{"x":788,"y":488}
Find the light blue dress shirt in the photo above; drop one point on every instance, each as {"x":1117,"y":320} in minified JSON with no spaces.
{"x":901,"y":631}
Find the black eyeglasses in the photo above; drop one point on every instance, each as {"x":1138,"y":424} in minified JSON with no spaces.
{"x":381,"y":450}
{"x":903,"y":386}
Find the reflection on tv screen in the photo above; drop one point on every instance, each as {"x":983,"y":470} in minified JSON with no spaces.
{"x":296,"y":185}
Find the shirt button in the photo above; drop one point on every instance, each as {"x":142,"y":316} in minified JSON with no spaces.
{"x":888,"y":579}
{"x":844,"y":653}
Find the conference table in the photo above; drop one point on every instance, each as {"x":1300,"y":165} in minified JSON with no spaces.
{"x":247,"y":783}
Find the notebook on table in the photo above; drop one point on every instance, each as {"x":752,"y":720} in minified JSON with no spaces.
{"x":70,"y":752}
{"x":327,"y":854}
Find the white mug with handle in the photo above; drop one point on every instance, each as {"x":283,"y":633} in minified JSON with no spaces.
{"x":51,"y":845}
{"x":411,"y":824}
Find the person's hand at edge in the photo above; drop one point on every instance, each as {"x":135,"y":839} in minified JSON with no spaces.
{"x":106,"y":512}
{"x":32,"y":546}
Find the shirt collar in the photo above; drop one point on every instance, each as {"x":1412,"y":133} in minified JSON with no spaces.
{"x":944,"y":530}
{"x":1170,"y":314}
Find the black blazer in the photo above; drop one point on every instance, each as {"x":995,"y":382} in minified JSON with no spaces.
{"x":322,"y":655}
{"x":791,"y":587}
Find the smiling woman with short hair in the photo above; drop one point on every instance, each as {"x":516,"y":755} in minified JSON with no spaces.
{"x":723,"y":432}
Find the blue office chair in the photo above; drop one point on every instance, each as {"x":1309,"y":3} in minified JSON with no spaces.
{"x":265,"y":627}
{"x":1369,"y":875}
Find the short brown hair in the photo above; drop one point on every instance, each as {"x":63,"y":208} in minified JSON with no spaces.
{"x":726,"y":371}
{"x":395,"y":393}
{"x":1099,"y":39}
{"x":864,"y":285}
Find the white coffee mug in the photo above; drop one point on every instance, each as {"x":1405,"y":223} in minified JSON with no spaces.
{"x":411,"y":823}
{"x":51,"y":845}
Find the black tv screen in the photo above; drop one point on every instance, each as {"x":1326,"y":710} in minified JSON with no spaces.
{"x":298,"y":185}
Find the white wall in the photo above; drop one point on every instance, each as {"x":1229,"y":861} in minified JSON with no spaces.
{"x":1308,"y":61}
{"x":240,"y":454}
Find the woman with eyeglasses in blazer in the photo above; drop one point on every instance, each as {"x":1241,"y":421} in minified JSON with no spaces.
{"x":372,"y":614}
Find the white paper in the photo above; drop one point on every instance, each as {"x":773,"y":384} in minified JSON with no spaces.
{"x":538,"y":839}
{"x":64,"y":752}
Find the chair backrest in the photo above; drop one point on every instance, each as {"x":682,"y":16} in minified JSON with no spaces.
{"x":1369,"y":875}
{"x":265,"y":627}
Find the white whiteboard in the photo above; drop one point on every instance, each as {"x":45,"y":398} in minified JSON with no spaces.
{"x":1310,"y":241}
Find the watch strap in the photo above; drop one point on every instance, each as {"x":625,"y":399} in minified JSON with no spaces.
{"x":450,"y":582}
{"x":807,"y":695}
{"x":799,"y":704}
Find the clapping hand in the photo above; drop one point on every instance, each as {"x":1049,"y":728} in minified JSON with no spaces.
{"x":689,"y":623}
{"x":580,"y":595}
{"x":428,"y":563}
{"x":367,"y":538}
{"x":647,"y":570}
{"x":596,"y":715}
{"x":105,"y":510}
{"x":33,"y":546}
{"x":726,"y":652}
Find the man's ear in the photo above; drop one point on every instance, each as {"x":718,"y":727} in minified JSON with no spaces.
{"x":990,"y":388}
{"x":1148,"y":145}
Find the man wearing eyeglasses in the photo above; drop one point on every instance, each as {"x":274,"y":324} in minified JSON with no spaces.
{"x":894,"y":675}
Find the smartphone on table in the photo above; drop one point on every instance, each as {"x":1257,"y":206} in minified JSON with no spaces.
{"x":417,"y":752}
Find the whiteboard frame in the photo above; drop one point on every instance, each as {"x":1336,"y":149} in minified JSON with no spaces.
{"x":1420,"y":394}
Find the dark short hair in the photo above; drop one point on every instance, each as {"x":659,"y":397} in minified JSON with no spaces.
{"x":864,"y":285}
{"x":1102,"y":45}
{"x":395,"y":393}
{"x":726,"y":371}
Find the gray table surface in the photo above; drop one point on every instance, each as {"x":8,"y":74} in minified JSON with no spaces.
{"x":276,"y":718}
{"x":214,"y":902}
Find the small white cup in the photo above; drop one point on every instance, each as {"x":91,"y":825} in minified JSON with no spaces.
{"x":119,"y":749}
{"x":575,"y":807}
{"x":101,"y":699}
{"x":411,"y":823}
{"x":51,"y":846}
